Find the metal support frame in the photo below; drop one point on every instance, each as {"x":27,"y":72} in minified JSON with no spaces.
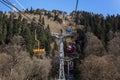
{"x":61,"y":55}
{"x":61,"y":70}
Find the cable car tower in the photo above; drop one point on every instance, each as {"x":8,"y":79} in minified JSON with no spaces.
{"x":61,"y":55}
{"x":61,"y":70}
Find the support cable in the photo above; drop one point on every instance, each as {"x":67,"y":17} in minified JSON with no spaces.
{"x":8,"y":3}
{"x":5,"y":4}
{"x":20,"y":5}
{"x":76,"y":5}
{"x":76,"y":14}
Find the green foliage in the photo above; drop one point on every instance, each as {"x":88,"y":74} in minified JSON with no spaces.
{"x":49,"y":15}
{"x":40,"y":18}
{"x":98,"y":24}
{"x":56,"y":18}
{"x":81,"y":40}
{"x":102,"y":27}
{"x":15,"y":27}
{"x":43,"y":21}
{"x":1,"y":37}
{"x":48,"y":40}
{"x":31,"y":10}
{"x":53,"y":52}
{"x":9,"y":29}
{"x":28,"y":39}
{"x":55,"y":46}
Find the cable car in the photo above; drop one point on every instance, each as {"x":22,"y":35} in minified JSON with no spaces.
{"x":70,"y":49}
{"x":38,"y":50}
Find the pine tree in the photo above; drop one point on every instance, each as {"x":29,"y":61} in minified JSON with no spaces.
{"x":26,"y":33}
{"x":28,"y":39}
{"x":1,"y":36}
{"x":48,"y":39}
{"x":53,"y":52}
{"x":15,"y":27}
{"x":4,"y":27}
{"x":19,"y":24}
{"x":43,"y":21}
{"x":31,"y":10}
{"x":4,"y":32}
{"x":55,"y":46}
{"x":40,"y":18}
{"x":9,"y":29}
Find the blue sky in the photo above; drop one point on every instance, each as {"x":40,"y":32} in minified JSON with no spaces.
{"x":96,"y":6}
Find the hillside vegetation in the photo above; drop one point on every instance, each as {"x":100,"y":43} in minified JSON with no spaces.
{"x":97,"y":45}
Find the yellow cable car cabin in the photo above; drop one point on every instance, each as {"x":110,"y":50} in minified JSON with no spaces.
{"x":38,"y":50}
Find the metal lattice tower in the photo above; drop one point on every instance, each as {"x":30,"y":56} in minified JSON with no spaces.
{"x":61,"y":51}
{"x":61,"y":70}
{"x":61,"y":55}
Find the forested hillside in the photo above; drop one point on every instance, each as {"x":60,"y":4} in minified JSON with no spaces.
{"x":97,"y":45}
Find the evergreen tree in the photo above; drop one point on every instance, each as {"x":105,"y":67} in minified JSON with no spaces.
{"x":28,"y":39}
{"x":1,"y":35}
{"x":31,"y":10}
{"x":55,"y":46}
{"x":40,"y":18}
{"x":26,"y":33}
{"x":9,"y":29}
{"x":53,"y":52}
{"x":4,"y":27}
{"x":15,"y":27}
{"x":19,"y":26}
{"x":48,"y":39}
{"x":4,"y":31}
{"x":43,"y":21}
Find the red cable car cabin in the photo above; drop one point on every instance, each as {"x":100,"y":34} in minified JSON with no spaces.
{"x":70,"y":49}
